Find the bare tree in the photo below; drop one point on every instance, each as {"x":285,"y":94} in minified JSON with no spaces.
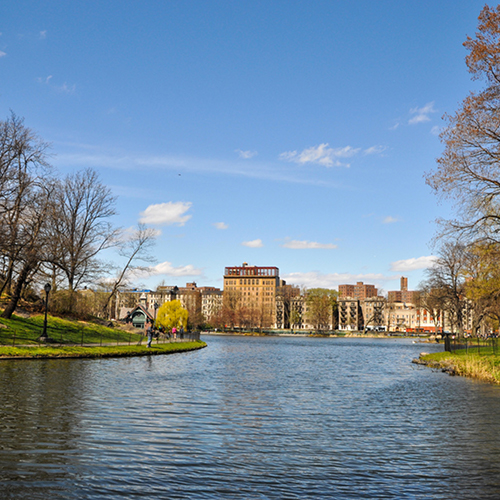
{"x":24,"y":184}
{"x":321,"y":307}
{"x":432,"y":298}
{"x":81,"y":227}
{"x":468,"y":170}
{"x":133,"y":247}
{"x":33,"y":235}
{"x":232,"y":313}
{"x":448,"y":277}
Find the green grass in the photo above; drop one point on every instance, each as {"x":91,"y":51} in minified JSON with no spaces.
{"x":97,"y":351}
{"x":483,"y":365}
{"x":19,"y":339}
{"x":27,"y":331}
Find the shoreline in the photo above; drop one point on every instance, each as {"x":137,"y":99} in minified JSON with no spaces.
{"x":418,"y":340}
{"x":97,"y":352}
{"x":485,"y":368}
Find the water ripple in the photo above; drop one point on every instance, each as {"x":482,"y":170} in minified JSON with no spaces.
{"x":249,"y":418}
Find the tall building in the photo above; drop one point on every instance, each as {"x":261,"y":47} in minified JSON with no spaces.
{"x":255,"y":284}
{"x":254,"y":288}
{"x":359,"y":291}
{"x":403,"y":295}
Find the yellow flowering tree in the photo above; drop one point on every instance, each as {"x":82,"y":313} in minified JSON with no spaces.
{"x":172,"y":314}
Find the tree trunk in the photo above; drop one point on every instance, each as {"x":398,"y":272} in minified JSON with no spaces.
{"x":11,"y":306}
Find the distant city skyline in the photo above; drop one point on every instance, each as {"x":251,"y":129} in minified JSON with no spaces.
{"x":280,"y":133}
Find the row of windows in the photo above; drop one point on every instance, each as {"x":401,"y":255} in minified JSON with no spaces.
{"x":250,"y":282}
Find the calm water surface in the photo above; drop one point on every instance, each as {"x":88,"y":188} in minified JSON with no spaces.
{"x":249,"y":417}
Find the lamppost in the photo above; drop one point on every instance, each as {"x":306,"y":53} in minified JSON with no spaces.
{"x":47,"y":288}
{"x":156,"y":306}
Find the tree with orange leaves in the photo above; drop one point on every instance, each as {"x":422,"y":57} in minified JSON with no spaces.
{"x":469,"y":169}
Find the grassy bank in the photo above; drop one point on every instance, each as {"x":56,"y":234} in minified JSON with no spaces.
{"x":97,"y":351}
{"x":483,"y":366}
{"x":19,"y":339}
{"x":26,"y":331}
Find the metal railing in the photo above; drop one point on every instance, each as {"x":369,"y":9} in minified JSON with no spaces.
{"x":489,"y":344}
{"x":58,"y":337}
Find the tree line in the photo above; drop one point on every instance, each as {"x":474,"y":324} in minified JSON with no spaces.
{"x":55,"y":228}
{"x":465,"y":280}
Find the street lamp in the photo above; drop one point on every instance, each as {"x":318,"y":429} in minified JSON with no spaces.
{"x":156,"y":306}
{"x":47,"y":288}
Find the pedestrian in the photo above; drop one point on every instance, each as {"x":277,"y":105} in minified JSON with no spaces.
{"x":174,"y":332}
{"x":150,"y":332}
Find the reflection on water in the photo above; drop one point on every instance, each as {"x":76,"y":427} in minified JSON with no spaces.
{"x":251,"y":417}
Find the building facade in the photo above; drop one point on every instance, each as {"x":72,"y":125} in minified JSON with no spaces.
{"x":359,"y":291}
{"x":202,"y":303}
{"x":253,"y":290}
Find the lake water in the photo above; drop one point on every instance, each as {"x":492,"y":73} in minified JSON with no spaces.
{"x":249,"y":417}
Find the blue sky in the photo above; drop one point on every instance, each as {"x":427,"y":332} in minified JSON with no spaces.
{"x":279,"y":133}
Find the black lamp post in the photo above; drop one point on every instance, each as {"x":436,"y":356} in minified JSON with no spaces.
{"x":47,"y":288}
{"x":156,"y":306}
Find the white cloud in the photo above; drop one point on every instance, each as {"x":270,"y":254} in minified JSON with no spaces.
{"x":46,"y":80}
{"x":166,"y":213}
{"x":43,"y":35}
{"x":66,"y":89}
{"x":374,"y":150}
{"x":85,"y":155}
{"x":246,"y":155}
{"x":413,"y":264}
{"x":322,"y":155}
{"x":301,"y":245}
{"x":436,"y":130}
{"x":315,"y":279}
{"x":2,"y":54}
{"x":421,"y":114}
{"x":166,"y":268}
{"x":220,"y":225}
{"x":390,"y":220}
{"x":132,"y":231}
{"x":253,"y":244}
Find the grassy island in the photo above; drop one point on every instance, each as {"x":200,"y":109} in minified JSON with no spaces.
{"x":20,"y":339}
{"x":482,"y":364}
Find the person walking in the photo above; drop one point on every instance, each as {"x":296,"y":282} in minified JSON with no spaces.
{"x":150,"y":332}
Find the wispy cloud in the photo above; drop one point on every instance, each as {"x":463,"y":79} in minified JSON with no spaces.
{"x":316,"y":279}
{"x":167,"y":269}
{"x":246,"y":155}
{"x":375,"y":150}
{"x":43,"y":35}
{"x":322,"y":155}
{"x":390,"y":220}
{"x":2,"y":54}
{"x":253,"y":244}
{"x":436,"y":130}
{"x":421,"y":114}
{"x":63,"y":89}
{"x":45,"y":80}
{"x":86,"y":155}
{"x":171,"y":213}
{"x":220,"y":225}
{"x":306,"y":245}
{"x":413,"y":264}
